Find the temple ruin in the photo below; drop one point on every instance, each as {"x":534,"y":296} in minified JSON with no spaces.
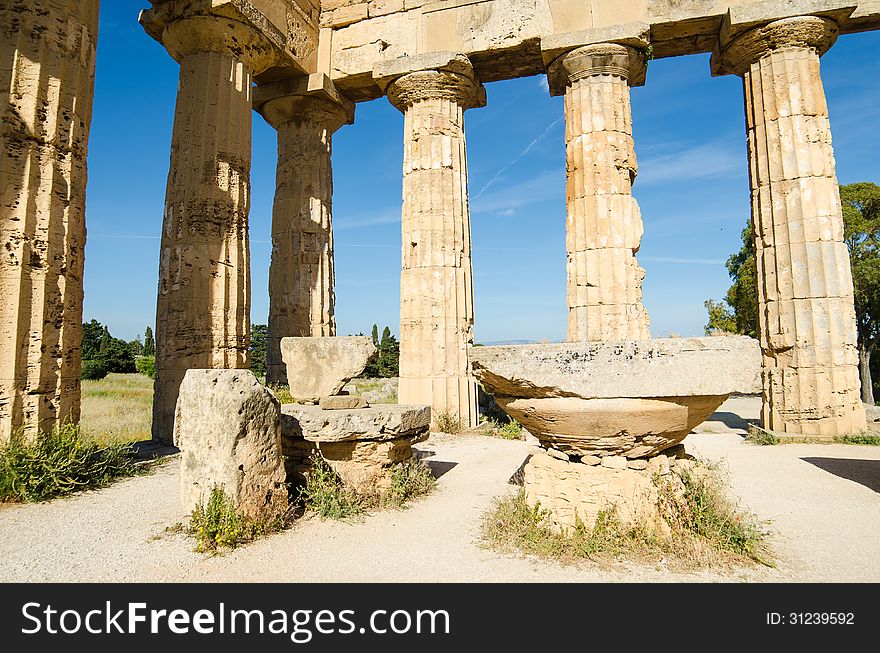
{"x":303,"y":65}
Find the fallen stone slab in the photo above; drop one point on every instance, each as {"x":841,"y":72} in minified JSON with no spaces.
{"x":385,"y":422}
{"x":872,"y":413}
{"x":227,"y":427}
{"x":664,"y":367}
{"x":320,"y":366}
{"x":343,"y":402}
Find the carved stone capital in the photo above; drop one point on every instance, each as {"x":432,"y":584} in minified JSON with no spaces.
{"x":457,"y":82}
{"x":209,"y":33}
{"x":314,"y":99}
{"x":599,"y":59}
{"x":739,"y":53}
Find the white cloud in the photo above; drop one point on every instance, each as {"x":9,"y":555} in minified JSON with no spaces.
{"x":707,"y":161}
{"x":543,"y":83}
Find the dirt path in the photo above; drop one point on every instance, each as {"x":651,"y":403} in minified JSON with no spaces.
{"x":823,"y":501}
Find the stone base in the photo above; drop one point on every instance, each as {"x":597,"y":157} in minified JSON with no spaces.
{"x":361,"y":445}
{"x":573,"y":492}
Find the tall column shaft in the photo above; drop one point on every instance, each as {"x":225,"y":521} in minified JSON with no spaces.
{"x":203,"y":306}
{"x":436,"y":281}
{"x":301,"y":281}
{"x":806,"y":316}
{"x":604,"y":224}
{"x":47,"y":69}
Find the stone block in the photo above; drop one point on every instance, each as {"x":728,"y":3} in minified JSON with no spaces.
{"x":386,"y":422}
{"x":227,"y":428}
{"x":321,"y":366}
{"x":343,"y":402}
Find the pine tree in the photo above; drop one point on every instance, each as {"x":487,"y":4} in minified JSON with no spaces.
{"x":149,"y":343}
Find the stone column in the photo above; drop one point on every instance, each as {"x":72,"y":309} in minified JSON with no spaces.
{"x":806,"y":317}
{"x":47,"y":69}
{"x":436,"y":282}
{"x":301,"y":295}
{"x":604,"y":225}
{"x":203,"y":307}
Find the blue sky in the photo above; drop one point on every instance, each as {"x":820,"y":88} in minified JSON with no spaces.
{"x":692,"y":188}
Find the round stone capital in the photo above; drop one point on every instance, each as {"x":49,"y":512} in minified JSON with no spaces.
{"x":302,"y":109}
{"x":801,"y":32}
{"x":459,"y":85}
{"x":218,"y":34}
{"x":600,"y":59}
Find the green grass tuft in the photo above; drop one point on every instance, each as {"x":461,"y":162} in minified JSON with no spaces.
{"x":282,"y":393}
{"x":447,"y":422}
{"x":861,"y":438}
{"x":60,"y":462}
{"x":759,"y":436}
{"x":325,"y":493}
{"x":409,"y":480}
{"x":216,"y":524}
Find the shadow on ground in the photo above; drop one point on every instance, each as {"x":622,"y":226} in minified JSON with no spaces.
{"x":731,"y":420}
{"x":865,"y":472}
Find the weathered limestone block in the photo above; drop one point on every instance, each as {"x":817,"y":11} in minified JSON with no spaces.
{"x":632,"y":399}
{"x":604,"y":224}
{"x":227,"y":427}
{"x":203,"y":306}
{"x":436,"y":282}
{"x":386,"y":422}
{"x":343,"y":402}
{"x":301,"y":277}
{"x":47,"y":68}
{"x":360,"y":445}
{"x":572,"y":491}
{"x":806,"y":317}
{"x":611,"y":427}
{"x":663,"y":367}
{"x":319,"y":367}
{"x":872,"y":413}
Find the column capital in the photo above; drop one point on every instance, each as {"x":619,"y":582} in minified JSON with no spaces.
{"x":438,"y":75}
{"x":735,"y":52}
{"x":313,"y":98}
{"x":597,"y":59}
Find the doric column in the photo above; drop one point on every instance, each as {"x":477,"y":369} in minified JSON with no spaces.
{"x":301,"y":294}
{"x":203,"y":306}
{"x":805,"y":293}
{"x":47,"y":68}
{"x":436,"y":282}
{"x":604,"y":225}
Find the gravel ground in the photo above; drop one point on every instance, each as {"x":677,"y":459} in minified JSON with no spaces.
{"x":822,"y":503}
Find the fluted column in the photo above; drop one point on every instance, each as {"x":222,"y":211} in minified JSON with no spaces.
{"x":203,"y":306}
{"x":47,"y":68}
{"x":436,"y":282}
{"x":806,"y":317}
{"x":603,"y":225}
{"x":301,"y":293}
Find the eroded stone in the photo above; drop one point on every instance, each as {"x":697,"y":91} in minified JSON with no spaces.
{"x":319,"y":367}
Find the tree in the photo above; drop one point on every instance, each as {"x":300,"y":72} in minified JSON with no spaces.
{"x":371,"y":371}
{"x":721,"y":318}
{"x":149,"y":343}
{"x":258,"y":348}
{"x":91,"y":342}
{"x":861,"y":233}
{"x":105,"y":341}
{"x":136,"y":346}
{"x":388,"y":360}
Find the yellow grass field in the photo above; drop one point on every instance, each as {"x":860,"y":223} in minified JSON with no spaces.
{"x":118,"y":407}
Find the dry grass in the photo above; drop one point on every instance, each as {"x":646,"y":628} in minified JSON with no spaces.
{"x":118,"y":407}
{"x":702,"y":528}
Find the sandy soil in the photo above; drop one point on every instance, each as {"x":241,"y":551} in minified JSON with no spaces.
{"x":822,"y":502}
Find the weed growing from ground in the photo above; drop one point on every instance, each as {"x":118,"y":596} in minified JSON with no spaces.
{"x":216,"y":524}
{"x":759,"y":436}
{"x":447,"y":422}
{"x":59,"y":462}
{"x":861,"y":438}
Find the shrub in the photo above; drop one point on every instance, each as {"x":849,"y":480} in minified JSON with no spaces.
{"x":216,"y":524}
{"x":146,"y":365}
{"x":511,"y":430}
{"x":325,"y":493}
{"x":759,"y":436}
{"x":94,"y":370}
{"x":58,"y":463}
{"x":282,"y":393}
{"x":860,"y":438}
{"x":410,"y":479}
{"x":447,"y":422}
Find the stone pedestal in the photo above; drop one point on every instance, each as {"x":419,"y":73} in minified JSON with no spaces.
{"x":47,"y":68}
{"x":436,"y":284}
{"x":604,"y":225}
{"x":203,"y":306}
{"x":301,"y":294}
{"x":806,"y":317}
